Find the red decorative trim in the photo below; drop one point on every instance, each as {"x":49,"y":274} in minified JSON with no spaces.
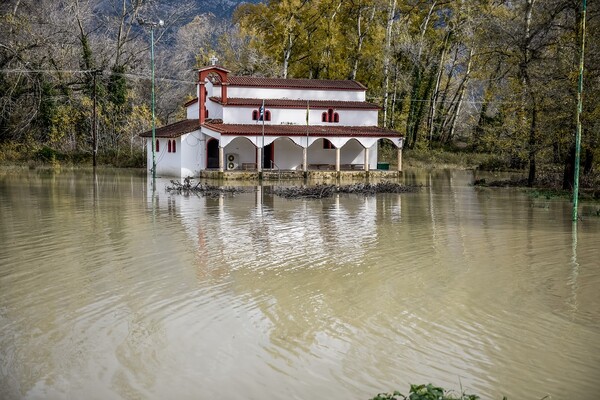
{"x":286,"y":103}
{"x":250,"y":81}
{"x":301,"y":130}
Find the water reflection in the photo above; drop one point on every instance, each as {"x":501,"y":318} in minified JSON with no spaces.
{"x":112,"y":287}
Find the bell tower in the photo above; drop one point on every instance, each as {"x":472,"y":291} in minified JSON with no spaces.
{"x":203,"y":74}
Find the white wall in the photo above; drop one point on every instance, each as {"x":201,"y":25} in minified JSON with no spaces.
{"x":215,"y":110}
{"x":352,"y":153}
{"x":294,"y":94}
{"x":167,"y":164}
{"x":191,"y":149}
{"x":238,"y":115}
{"x":192,"y":111}
{"x":318,"y":155}
{"x":287,"y":154}
{"x":186,"y":161}
{"x":243,"y":115}
{"x":373,"y":157}
{"x":243,"y":148}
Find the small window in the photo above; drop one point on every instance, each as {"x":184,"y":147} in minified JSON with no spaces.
{"x":336,"y":117}
{"x":205,"y":113}
{"x":174,"y":147}
{"x":254,"y":115}
{"x":169,"y":146}
{"x":327,"y":145}
{"x":330,"y":115}
{"x":157,"y":145}
{"x":267,"y":115}
{"x":324,"y":117}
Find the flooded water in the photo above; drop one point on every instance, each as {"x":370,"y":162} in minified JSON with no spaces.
{"x":110,"y":290}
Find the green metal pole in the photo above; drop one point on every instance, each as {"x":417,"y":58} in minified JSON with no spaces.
{"x":153,"y":116}
{"x":579,"y":110}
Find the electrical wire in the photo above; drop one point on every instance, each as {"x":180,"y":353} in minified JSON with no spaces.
{"x":138,"y":76}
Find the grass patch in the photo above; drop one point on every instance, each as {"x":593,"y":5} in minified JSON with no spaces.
{"x":425,"y":392}
{"x":548,"y":185}
{"x":36,"y":156}
{"x":441,"y":158}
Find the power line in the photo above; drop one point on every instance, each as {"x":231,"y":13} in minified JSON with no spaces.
{"x":138,"y":76}
{"x":76,"y":71}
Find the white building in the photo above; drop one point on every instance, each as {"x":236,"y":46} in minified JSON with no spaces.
{"x":247,"y":123}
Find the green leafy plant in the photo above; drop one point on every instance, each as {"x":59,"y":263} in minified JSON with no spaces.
{"x":425,"y":392}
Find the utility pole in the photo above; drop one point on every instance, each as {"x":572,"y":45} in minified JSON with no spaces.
{"x":579,"y":110}
{"x":152,"y":26}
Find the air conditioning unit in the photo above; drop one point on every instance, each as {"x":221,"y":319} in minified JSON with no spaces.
{"x":232,"y":161}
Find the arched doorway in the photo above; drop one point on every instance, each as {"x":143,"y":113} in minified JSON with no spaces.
{"x":212,"y":154}
{"x":268,"y":156}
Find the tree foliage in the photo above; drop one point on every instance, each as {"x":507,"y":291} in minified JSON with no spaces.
{"x":497,"y":75}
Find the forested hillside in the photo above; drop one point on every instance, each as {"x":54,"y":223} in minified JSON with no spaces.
{"x":499,"y":75}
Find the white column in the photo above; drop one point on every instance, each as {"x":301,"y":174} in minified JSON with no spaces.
{"x":337,"y":158}
{"x":221,"y":159}
{"x":399,"y":159}
{"x":304,"y":159}
{"x":259,"y":159}
{"x":366,"y":167}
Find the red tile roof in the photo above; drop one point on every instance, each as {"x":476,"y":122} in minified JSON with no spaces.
{"x":210,"y":67}
{"x":190,"y":102}
{"x":300,"y":130}
{"x":285,"y":103}
{"x":174,"y":130}
{"x":294,"y":83}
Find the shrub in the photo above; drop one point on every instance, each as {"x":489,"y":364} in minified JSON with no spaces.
{"x":425,"y":392}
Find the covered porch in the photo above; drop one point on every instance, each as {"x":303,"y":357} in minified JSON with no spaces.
{"x":295,"y":148}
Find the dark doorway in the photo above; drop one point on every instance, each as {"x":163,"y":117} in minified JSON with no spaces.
{"x":268,"y":156}
{"x":212,"y":154}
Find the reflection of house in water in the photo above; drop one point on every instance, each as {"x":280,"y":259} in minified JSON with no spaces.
{"x":281,"y":257}
{"x":240,"y":123}
{"x":256,"y":229}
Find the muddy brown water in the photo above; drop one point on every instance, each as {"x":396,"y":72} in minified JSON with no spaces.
{"x":112,"y":290}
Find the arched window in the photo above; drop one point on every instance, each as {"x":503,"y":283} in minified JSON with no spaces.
{"x":254,"y":115}
{"x":174,"y":146}
{"x":206,"y":113}
{"x":330,"y":115}
{"x":267,"y":115}
{"x":336,"y":117}
{"x":327,"y":145}
{"x":324,"y":117}
{"x":169,"y":146}
{"x":157,"y":145}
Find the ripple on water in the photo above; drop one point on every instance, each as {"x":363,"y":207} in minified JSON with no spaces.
{"x":338,"y":298}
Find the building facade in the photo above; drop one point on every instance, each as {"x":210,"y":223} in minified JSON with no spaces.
{"x":240,"y":123}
